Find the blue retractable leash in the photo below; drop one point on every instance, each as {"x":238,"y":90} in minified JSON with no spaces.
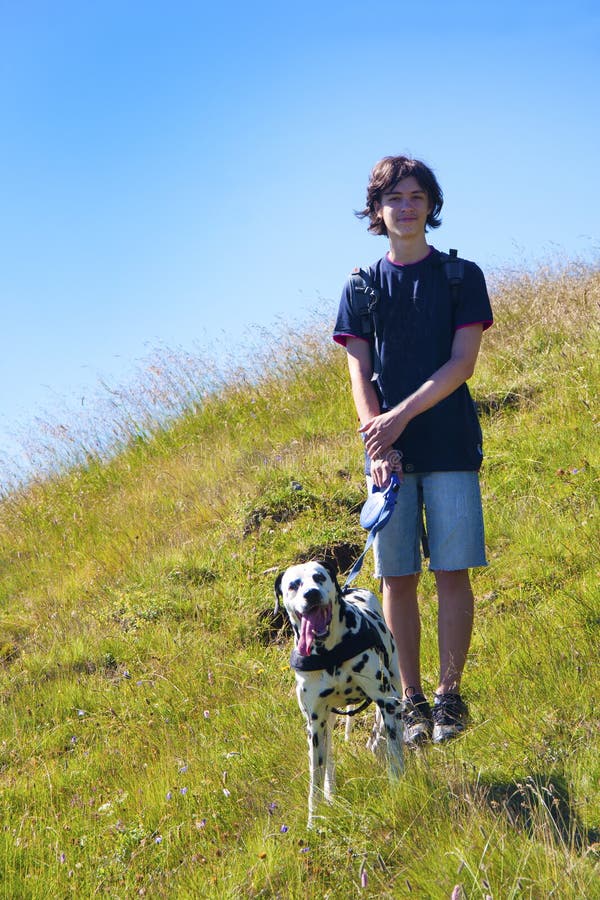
{"x":374,"y":515}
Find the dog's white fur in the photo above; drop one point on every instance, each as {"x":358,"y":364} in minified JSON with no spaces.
{"x":322,"y":617}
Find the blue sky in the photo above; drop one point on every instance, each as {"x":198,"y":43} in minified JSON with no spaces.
{"x":175,"y":172}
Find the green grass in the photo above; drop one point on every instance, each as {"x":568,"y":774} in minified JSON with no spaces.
{"x":150,"y":741}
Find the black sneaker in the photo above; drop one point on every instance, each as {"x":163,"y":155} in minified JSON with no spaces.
{"x":450,"y":715}
{"x":416,"y":718}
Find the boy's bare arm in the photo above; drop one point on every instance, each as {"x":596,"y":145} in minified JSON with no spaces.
{"x":367,"y":406}
{"x":360,"y":367}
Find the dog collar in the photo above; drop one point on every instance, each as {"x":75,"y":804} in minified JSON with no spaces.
{"x":366,"y":637}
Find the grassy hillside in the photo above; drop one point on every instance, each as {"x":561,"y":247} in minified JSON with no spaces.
{"x":150,"y":741}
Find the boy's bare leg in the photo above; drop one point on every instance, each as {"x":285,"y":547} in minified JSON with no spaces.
{"x":455,"y":626}
{"x":401,"y":611}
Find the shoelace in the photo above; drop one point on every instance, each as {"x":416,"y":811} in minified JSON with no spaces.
{"x":451,"y":706}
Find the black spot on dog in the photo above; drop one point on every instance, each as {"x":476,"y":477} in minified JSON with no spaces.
{"x":392,"y":734}
{"x":350,"y":619}
{"x":361,"y":664}
{"x":315,"y":739}
{"x":314,"y":716}
{"x":378,"y":674}
{"x":326,"y":692}
{"x":390,"y":708}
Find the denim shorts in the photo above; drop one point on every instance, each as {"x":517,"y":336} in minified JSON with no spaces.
{"x":450,"y":504}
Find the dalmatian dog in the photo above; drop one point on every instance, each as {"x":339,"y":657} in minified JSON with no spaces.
{"x":344,"y":657}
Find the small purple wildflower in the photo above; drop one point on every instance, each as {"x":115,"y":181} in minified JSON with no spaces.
{"x":169,"y":795}
{"x":284,"y":829}
{"x":183,"y":770}
{"x":183,"y":791}
{"x":158,"y":839}
{"x":364,"y":878}
{"x":272,"y":808}
{"x":207,"y":714}
{"x":63,"y":858}
{"x":305,"y":850}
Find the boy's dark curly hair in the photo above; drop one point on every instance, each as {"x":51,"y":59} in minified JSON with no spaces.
{"x":388,"y":172}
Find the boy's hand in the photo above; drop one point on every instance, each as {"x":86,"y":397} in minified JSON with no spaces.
{"x":381,"y":432}
{"x":381,"y":469}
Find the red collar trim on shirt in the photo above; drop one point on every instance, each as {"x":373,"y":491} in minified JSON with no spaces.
{"x":401,"y":265}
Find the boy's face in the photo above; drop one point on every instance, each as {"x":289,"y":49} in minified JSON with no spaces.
{"x":404,"y":208}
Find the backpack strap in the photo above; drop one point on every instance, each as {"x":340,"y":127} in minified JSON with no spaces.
{"x":454,"y":268}
{"x":365,"y":297}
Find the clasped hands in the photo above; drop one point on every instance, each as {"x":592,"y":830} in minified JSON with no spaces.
{"x":379,"y":435}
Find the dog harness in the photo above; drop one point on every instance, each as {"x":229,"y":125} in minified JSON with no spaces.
{"x":367,"y":637}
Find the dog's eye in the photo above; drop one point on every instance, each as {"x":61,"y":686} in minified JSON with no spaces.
{"x":294,"y":585}
{"x":320,"y":579}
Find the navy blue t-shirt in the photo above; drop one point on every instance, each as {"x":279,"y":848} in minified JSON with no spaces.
{"x":416,"y":318}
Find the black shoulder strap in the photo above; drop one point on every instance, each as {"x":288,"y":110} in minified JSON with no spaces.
{"x":365,"y":297}
{"x":454,"y":268}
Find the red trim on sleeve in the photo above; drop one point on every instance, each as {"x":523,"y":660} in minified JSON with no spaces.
{"x":486,"y":324}
{"x":343,"y":338}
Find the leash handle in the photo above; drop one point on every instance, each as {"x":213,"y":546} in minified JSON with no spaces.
{"x":389,"y":493}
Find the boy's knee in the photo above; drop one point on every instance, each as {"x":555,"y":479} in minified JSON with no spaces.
{"x":400,"y":587}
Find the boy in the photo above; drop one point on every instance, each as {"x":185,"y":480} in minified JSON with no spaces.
{"x":417,"y":417}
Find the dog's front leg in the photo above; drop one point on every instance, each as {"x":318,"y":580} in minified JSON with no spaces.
{"x":318,"y":763}
{"x":329,"y":758}
{"x":391,"y":713}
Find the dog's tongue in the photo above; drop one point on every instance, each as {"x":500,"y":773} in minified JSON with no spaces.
{"x":314,"y":622}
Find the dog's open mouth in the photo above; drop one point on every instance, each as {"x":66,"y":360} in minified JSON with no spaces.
{"x":314,"y":623}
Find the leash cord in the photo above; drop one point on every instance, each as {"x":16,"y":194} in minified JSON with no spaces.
{"x":354,"y":711}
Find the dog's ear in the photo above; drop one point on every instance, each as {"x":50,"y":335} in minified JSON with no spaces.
{"x":278,"y":591}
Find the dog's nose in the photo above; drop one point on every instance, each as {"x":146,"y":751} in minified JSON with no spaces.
{"x":313,"y":595}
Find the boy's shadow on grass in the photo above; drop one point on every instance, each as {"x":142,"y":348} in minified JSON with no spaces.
{"x":541,"y":806}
